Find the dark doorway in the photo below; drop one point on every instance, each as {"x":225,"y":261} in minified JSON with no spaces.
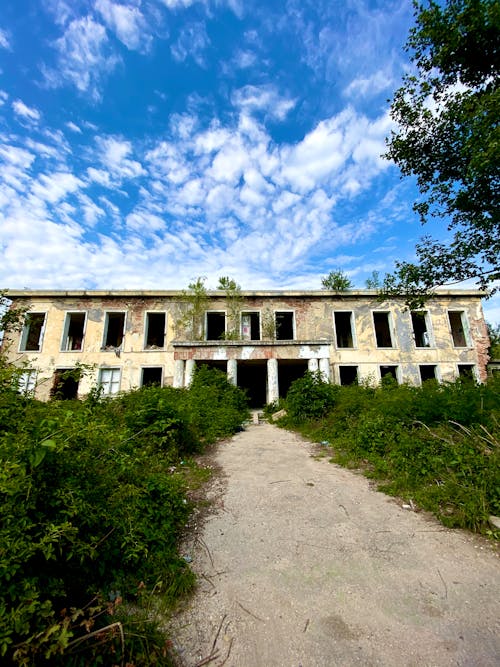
{"x":252,"y":376}
{"x":289,"y":370}
{"x":211,"y":363}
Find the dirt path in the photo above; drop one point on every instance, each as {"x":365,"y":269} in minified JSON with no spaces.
{"x":303,"y":564}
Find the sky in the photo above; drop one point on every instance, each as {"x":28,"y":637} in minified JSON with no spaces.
{"x":144,"y":143}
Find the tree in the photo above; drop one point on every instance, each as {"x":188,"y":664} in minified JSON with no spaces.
{"x":448,"y":136}
{"x":494,"y":334}
{"x":337,"y":281}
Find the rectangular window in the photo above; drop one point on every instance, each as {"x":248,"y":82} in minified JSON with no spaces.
{"x":65,"y":385}
{"x":155,"y":331}
{"x":466,"y":371}
{"x":427,"y":372}
{"x":113,"y":330}
{"x":151,"y":375}
{"x":250,"y":326}
{"x":420,"y":328}
{"x":343,"y":329}
{"x":389,"y":372}
{"x":74,"y":330}
{"x":32,"y":334}
{"x":382,"y":329}
{"x":109,"y":381}
{"x":458,"y":328}
{"x":284,"y":325}
{"x":26,"y":382}
{"x":348,"y":374}
{"x":216,"y":325}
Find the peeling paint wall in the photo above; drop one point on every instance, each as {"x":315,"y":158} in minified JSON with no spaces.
{"x":313,"y":325}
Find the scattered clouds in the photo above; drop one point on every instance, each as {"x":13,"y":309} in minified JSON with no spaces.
{"x":84,"y":57}
{"x":262,"y":98}
{"x":370,"y":86}
{"x":127,"y":22}
{"x":73,"y":127}
{"x":26,"y":112}
{"x":191,"y":43}
{"x":4,"y":39}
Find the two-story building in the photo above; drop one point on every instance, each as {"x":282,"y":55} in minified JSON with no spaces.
{"x":126,"y":339}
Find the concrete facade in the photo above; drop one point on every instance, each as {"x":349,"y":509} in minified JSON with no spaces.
{"x":126,"y":339}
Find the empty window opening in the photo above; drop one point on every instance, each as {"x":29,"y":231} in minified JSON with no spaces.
{"x":31,"y":338}
{"x":284,"y":325}
{"x":109,"y":381}
{"x":343,"y":329}
{"x":152,"y":375}
{"x":155,"y":330}
{"x":456,"y":318}
{"x":250,"y":326}
{"x":387,"y":372}
{"x":65,"y":385}
{"x":466,"y":371}
{"x":348,"y":374}
{"x":26,"y":382}
{"x":216,"y":326}
{"x":113,"y":332}
{"x":382,"y":329}
{"x":420,"y":329}
{"x":427,"y":372}
{"x":74,"y":329}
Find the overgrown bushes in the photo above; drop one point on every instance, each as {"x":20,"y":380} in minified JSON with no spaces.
{"x":437,"y":445}
{"x":92,"y":502}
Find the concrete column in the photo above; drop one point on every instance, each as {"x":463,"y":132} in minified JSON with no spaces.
{"x":324,"y":367}
{"x":273,"y":392}
{"x":312,"y":365}
{"x":179,"y":373}
{"x":232,"y":371}
{"x":190,"y":366}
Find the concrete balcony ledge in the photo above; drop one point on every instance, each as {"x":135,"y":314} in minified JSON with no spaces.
{"x":250,"y":343}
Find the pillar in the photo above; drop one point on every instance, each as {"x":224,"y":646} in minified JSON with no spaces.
{"x":232,"y":371}
{"x":273,"y":392}
{"x":190,"y":366}
{"x":179,"y":373}
{"x":312,"y":365}
{"x":324,"y":367}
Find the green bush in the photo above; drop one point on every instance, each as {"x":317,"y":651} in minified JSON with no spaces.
{"x":438,"y":444}
{"x":309,"y":398}
{"x":92,"y":503}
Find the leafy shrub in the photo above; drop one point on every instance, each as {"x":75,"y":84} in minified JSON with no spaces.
{"x":92,"y":500}
{"x":309,"y":397}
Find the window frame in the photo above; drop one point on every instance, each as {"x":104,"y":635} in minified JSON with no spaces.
{"x":149,"y":348}
{"x":146,"y":367}
{"x":428,"y":329}
{"x":356,"y":366}
{"x":215,"y":312}
{"x":436,"y":377}
{"x":112,"y":348}
{"x":27,"y":387}
{"x":392,"y":333}
{"x":25,"y":332}
{"x":465,"y":328}
{"x":294,"y":330}
{"x":100,"y":383}
{"x":251,"y":312}
{"x":65,"y":336}
{"x":396,"y":366}
{"x":353,"y":331}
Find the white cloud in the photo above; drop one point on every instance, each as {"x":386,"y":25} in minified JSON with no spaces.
{"x":84,"y":57}
{"x":4,"y":39}
{"x":191,"y":43}
{"x":54,"y":187}
{"x":370,"y":86}
{"x":262,"y":98}
{"x":73,"y":127}
{"x":127,"y":23}
{"x":114,"y":155}
{"x":29,"y":113}
{"x":3,"y":97}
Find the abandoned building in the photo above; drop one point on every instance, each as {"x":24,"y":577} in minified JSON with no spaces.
{"x":263,"y":340}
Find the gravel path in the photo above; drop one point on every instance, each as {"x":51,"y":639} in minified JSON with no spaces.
{"x":302,"y":563}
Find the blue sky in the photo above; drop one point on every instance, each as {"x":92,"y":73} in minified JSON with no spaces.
{"x":144,"y":143}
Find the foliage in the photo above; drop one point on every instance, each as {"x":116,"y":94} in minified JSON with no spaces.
{"x":309,"y":397}
{"x":337,"y":281}
{"x":190,"y":322}
{"x":448,"y":137}
{"x":93,"y":501}
{"x":437,"y":445}
{"x":494,"y":334}
{"x":374,"y":281}
{"x":234,"y":302}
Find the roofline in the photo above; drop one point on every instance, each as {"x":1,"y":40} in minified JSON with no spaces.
{"x":26,"y":293}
